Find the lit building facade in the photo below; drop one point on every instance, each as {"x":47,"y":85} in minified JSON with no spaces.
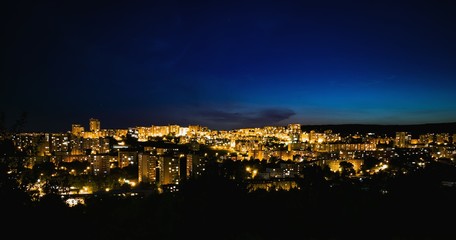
{"x":168,"y":170}
{"x":147,"y":167}
{"x":94,"y":125}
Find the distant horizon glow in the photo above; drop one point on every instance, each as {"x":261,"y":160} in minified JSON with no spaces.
{"x":228,"y":65}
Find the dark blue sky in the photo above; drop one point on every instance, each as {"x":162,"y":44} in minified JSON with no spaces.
{"x":228,"y":64}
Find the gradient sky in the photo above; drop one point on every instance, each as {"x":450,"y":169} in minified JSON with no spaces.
{"x":228,"y":64}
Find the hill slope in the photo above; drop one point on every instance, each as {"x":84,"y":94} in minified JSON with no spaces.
{"x":389,"y":130}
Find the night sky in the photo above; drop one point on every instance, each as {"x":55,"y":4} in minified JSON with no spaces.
{"x":227,"y":64}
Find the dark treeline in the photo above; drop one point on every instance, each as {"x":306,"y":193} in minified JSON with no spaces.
{"x":389,"y":130}
{"x":415,"y":206}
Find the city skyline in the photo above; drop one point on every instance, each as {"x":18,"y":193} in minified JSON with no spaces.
{"x":228,"y":65}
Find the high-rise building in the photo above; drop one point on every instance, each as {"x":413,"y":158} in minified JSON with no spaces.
{"x":169,"y":170}
{"x":189,"y":164}
{"x":194,"y":129}
{"x":126,"y":158}
{"x":174,"y":129}
{"x":160,"y":130}
{"x":94,"y":125}
{"x":294,"y":128}
{"x":147,"y":167}
{"x":100,"y":164}
{"x":59,"y":142}
{"x":77,"y":130}
{"x":197,"y":165}
{"x":402,"y":139}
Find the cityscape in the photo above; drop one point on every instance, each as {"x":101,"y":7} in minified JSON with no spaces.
{"x":228,"y":120}
{"x":314,"y":172}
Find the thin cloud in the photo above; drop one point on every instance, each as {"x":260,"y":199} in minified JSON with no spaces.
{"x":259,"y":118}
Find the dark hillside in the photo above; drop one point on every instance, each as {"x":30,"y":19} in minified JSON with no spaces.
{"x":390,"y":130}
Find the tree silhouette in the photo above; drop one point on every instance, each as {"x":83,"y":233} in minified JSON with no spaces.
{"x":346,"y":168}
{"x":2,"y":126}
{"x":369,"y":163}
